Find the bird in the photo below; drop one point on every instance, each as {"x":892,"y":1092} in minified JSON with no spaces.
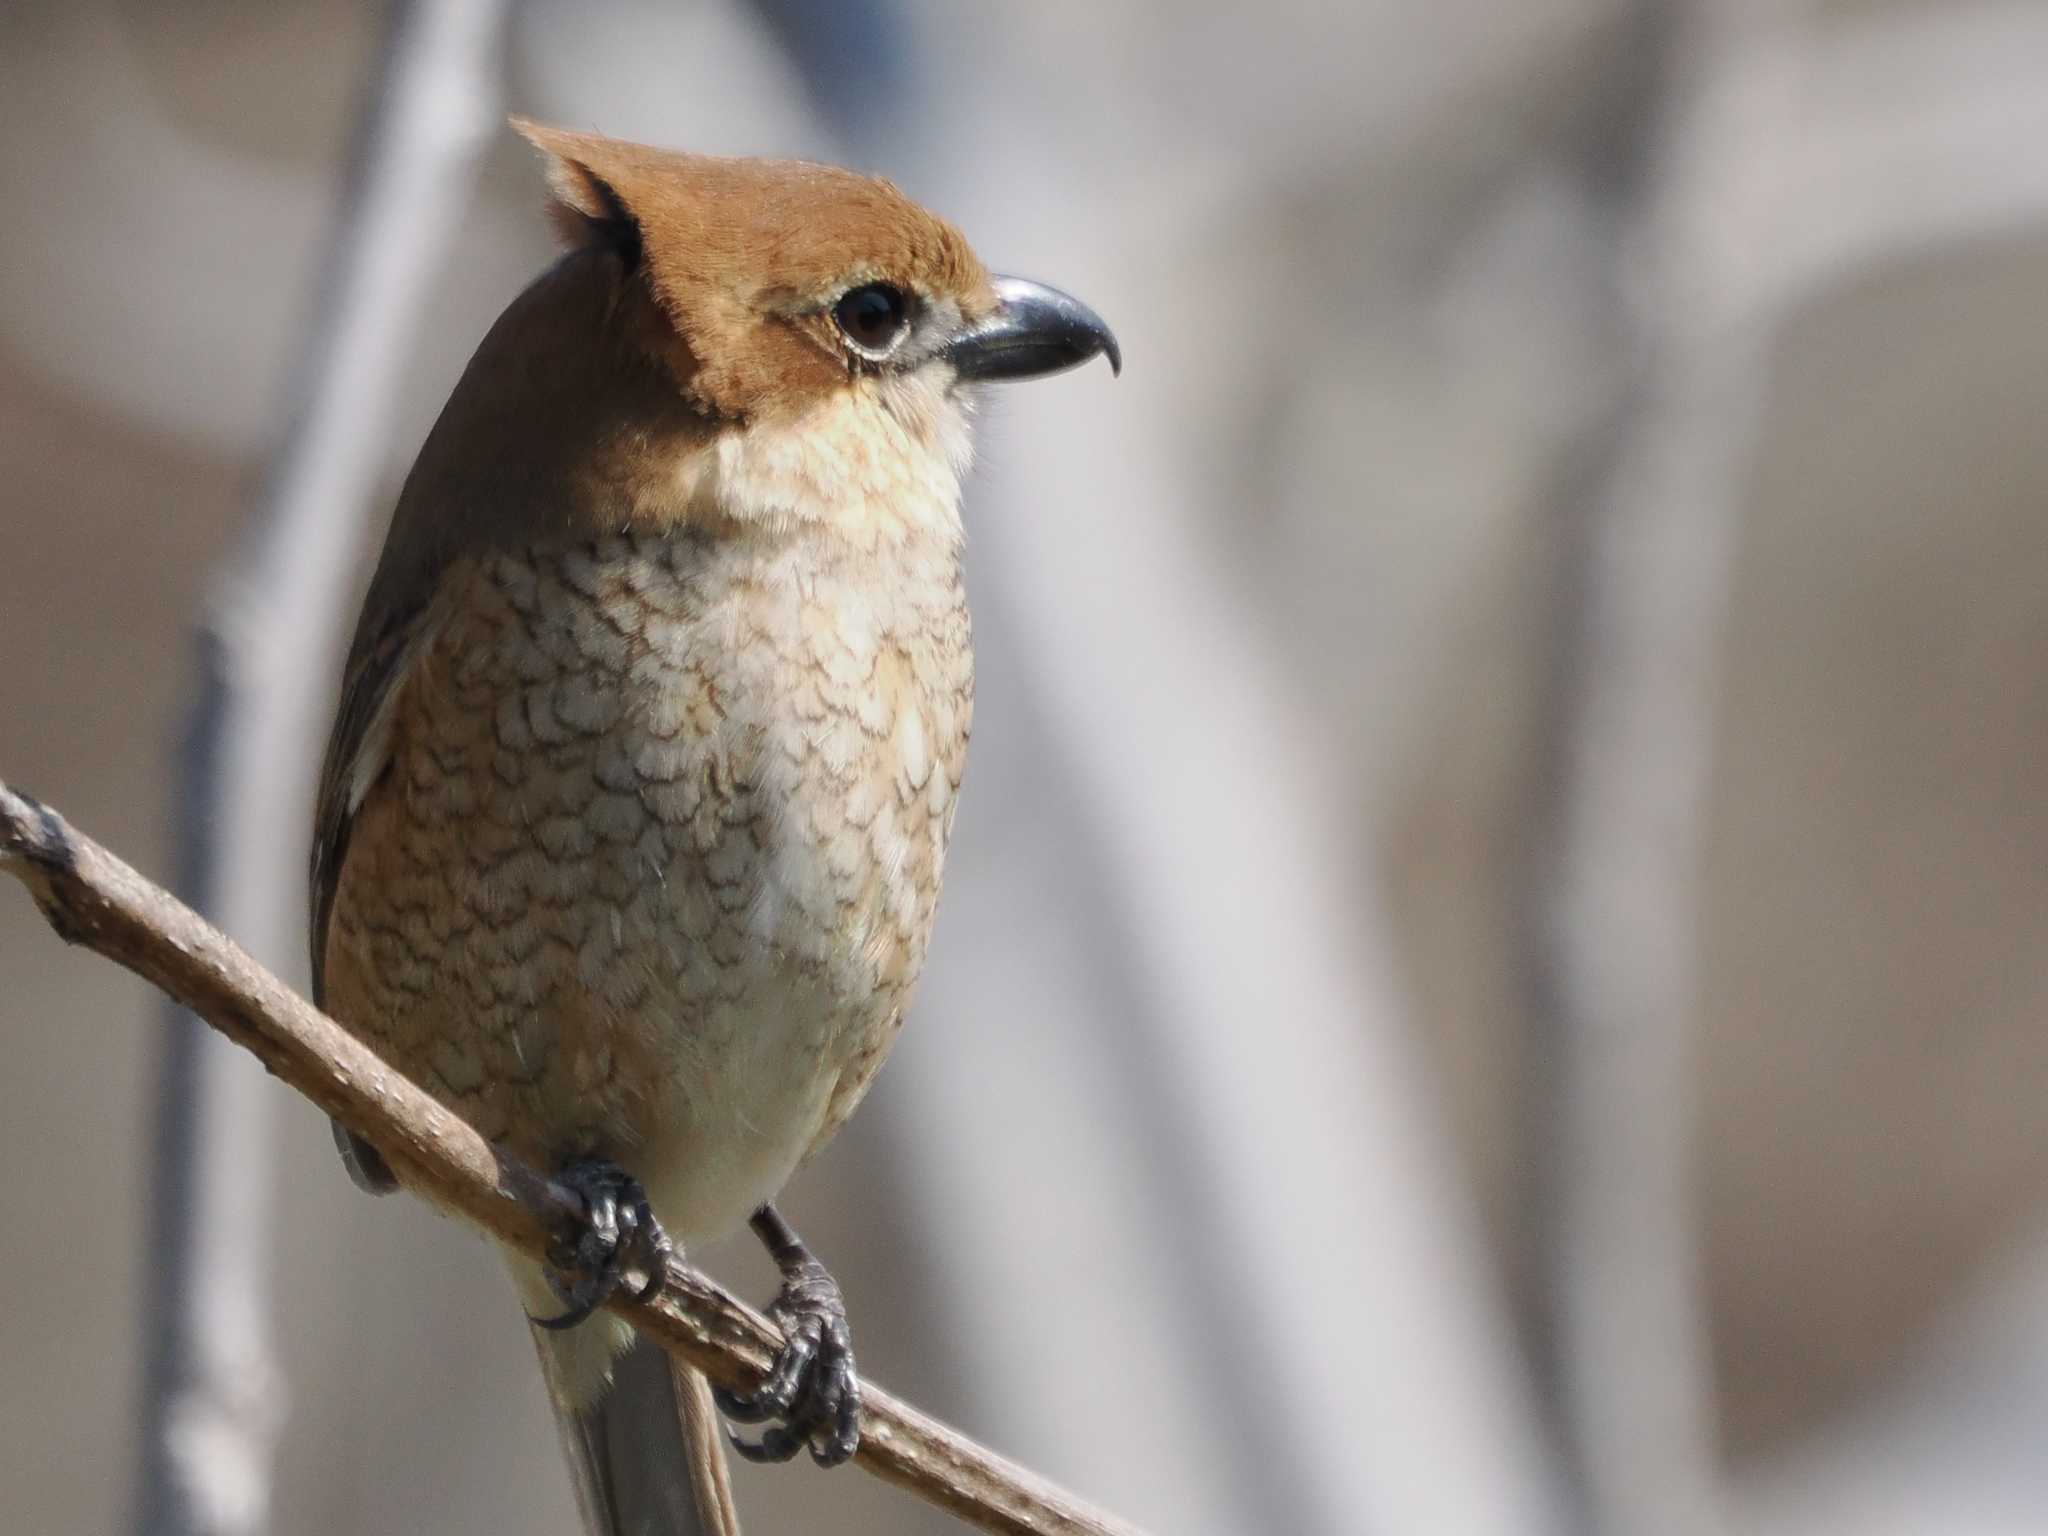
{"x":631,"y":825}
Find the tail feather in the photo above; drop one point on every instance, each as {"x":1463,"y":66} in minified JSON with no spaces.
{"x":646,"y":1455}
{"x":643,"y":1438}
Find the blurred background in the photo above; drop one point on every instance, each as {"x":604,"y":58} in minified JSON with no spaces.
{"x":1491,"y":976}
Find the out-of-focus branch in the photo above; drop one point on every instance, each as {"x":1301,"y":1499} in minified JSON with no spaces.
{"x":92,"y":898}
{"x":211,"y":1403}
{"x":1612,"y":906}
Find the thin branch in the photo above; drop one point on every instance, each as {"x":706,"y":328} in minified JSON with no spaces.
{"x":91,"y":898}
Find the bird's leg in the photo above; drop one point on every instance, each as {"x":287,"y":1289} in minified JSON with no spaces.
{"x":585,"y":1265}
{"x":811,"y":1390}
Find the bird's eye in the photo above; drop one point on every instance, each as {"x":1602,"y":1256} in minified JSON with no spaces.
{"x":873,"y":317}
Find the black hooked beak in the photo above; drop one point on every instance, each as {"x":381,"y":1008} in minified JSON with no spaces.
{"x":1035,"y":330}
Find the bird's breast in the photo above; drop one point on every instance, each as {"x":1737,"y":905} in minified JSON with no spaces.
{"x":657,"y":863}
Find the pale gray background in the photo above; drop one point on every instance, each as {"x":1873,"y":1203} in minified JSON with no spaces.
{"x":1231,"y":919}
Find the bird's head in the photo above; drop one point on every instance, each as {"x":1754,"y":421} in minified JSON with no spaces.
{"x":824,"y":327}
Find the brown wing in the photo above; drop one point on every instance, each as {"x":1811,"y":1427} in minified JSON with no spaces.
{"x":367,"y":686}
{"x":566,"y":401}
{"x":358,"y":754}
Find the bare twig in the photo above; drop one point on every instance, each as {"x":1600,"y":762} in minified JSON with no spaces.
{"x":91,"y":898}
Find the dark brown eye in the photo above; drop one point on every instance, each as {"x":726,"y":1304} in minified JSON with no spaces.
{"x":872,"y":316}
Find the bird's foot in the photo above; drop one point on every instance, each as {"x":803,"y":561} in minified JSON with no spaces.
{"x":586,"y":1265}
{"x":811,"y":1394}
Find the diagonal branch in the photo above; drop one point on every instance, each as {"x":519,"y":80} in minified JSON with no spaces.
{"x":91,"y":898}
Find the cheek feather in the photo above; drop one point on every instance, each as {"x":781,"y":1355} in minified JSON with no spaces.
{"x":880,"y":461}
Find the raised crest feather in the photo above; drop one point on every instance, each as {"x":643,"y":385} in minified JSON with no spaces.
{"x":585,"y":208}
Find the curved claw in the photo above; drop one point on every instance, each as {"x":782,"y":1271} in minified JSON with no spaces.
{"x":778,"y":1443}
{"x":578,"y":1312}
{"x":776,"y":1397}
{"x":587,"y":1265}
{"x":843,"y":1439}
{"x":811,"y":1396}
{"x":656,"y":1249}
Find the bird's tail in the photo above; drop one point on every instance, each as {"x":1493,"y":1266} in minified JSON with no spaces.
{"x":643,"y":1437}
